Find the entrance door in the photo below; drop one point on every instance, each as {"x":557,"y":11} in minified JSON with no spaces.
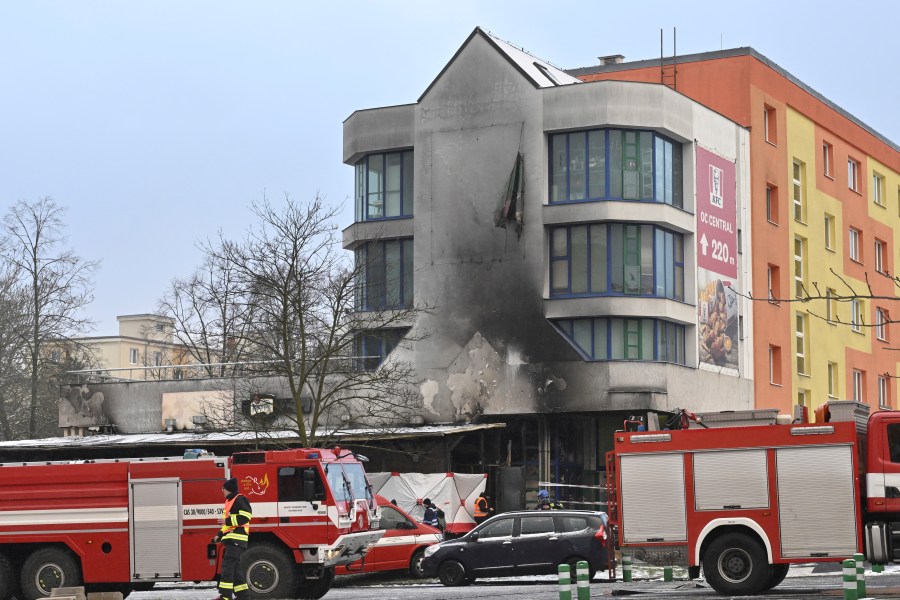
{"x":155,"y":529}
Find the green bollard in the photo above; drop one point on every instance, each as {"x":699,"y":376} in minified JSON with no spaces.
{"x":878,"y":568}
{"x":850,"y":579}
{"x":626,"y":568}
{"x":667,"y":573}
{"x":860,"y":575}
{"x":584,"y":581}
{"x":565,"y":583}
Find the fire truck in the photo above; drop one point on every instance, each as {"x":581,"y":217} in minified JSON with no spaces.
{"x":744,"y":503}
{"x":125,"y":524}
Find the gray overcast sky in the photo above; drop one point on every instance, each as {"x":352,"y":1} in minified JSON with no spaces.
{"x":156,"y":122}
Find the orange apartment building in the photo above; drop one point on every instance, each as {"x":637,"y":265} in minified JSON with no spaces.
{"x":825,"y":211}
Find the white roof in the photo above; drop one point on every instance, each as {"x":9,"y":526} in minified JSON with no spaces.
{"x":540,"y":71}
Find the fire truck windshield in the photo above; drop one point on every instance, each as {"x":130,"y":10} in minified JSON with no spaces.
{"x":347,"y":481}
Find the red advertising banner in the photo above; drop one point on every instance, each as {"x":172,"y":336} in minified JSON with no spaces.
{"x":716,"y":214}
{"x":717,"y":291}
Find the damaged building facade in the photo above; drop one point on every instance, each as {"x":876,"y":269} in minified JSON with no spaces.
{"x":576,"y":246}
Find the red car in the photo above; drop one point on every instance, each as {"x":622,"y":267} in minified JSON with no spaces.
{"x":402,"y":546}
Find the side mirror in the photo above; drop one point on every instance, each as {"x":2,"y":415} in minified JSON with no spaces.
{"x":473,"y":536}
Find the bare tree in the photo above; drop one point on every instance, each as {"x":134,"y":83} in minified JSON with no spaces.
{"x":56,"y":282}
{"x":211,"y":314}
{"x":13,"y":375}
{"x":300,"y":320}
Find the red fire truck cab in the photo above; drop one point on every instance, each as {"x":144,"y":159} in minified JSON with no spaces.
{"x":125,"y":524}
{"x":744,"y":503}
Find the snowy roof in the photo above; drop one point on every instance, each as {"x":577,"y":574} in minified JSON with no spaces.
{"x":539,"y":72}
{"x":189,"y":438}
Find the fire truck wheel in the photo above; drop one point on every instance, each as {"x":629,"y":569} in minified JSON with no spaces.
{"x":736,"y":565}
{"x":452,"y":573}
{"x":270,"y":572}
{"x":49,"y":568}
{"x":777,"y":573}
{"x":313,"y":589}
{"x":8,"y":580}
{"x":415,"y":564}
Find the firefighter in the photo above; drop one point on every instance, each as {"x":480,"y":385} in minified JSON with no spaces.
{"x":482,"y":509}
{"x":544,"y":502}
{"x":234,"y":535}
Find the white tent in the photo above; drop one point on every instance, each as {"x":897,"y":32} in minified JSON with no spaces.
{"x":454,"y":493}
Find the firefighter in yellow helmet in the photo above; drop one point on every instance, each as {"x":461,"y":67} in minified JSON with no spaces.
{"x":234,"y":535}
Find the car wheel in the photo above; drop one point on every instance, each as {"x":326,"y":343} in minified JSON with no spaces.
{"x":736,"y":565}
{"x":415,"y":564}
{"x":452,"y":573}
{"x":49,"y":568}
{"x":573,"y":568}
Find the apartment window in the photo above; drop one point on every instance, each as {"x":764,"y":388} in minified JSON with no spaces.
{"x":878,"y":189}
{"x":803,"y":398}
{"x":157,"y":358}
{"x":830,"y":305}
{"x":853,"y":174}
{"x":827,"y":159}
{"x":853,"y":242}
{"x":775,"y":365}
{"x":616,"y":258}
{"x":370,"y":348}
{"x":769,"y":124}
{"x":832,"y":380}
{"x":884,"y":392}
{"x":829,"y":232}
{"x":856,"y":312}
{"x":55,"y":355}
{"x":774,"y":283}
{"x":799,"y":267}
{"x":615,"y":164}
{"x":799,"y":191}
{"x":386,"y":275}
{"x":626,"y":339}
{"x":133,"y":356}
{"x":881,"y":324}
{"x":879,"y":256}
{"x":858,"y":386}
{"x":772,"y":204}
{"x":801,"y":344}
{"x":384,"y":186}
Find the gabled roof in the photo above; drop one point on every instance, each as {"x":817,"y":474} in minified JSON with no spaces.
{"x":539,"y":72}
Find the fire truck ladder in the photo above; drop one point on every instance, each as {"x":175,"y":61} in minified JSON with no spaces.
{"x":612,"y":511}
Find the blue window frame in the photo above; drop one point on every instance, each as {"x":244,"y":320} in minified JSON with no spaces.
{"x":385,"y":269}
{"x":626,"y":339}
{"x":615,"y":164}
{"x":600,"y":259}
{"x":384,"y":186}
{"x":370,"y":348}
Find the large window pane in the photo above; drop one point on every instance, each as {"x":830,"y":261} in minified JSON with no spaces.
{"x":617,"y":339}
{"x":392,"y":282}
{"x":615,"y":164}
{"x":601,"y":329}
{"x":559,"y":172}
{"x":407,"y":274}
{"x":579,"y":254}
{"x":616,"y":258}
{"x":646,"y":165}
{"x":597,"y":164}
{"x":647,"y":346}
{"x":577,"y":167}
{"x":598,"y":258}
{"x":384,"y":186}
{"x":647,"y":259}
{"x":393,"y":185}
{"x":581,"y":333}
{"x":376,"y":187}
{"x":676,"y":176}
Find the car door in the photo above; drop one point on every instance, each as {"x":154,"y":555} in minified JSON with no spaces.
{"x":392,"y":551}
{"x":492,"y":552}
{"x":535,"y":547}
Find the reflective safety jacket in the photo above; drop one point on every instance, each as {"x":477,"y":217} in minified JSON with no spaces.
{"x":236,"y":528}
{"x":481,"y":507}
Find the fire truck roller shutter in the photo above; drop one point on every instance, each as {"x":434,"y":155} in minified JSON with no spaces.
{"x":155,"y":538}
{"x":645,"y":479}
{"x":816,"y":500}
{"x":731,"y":479}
